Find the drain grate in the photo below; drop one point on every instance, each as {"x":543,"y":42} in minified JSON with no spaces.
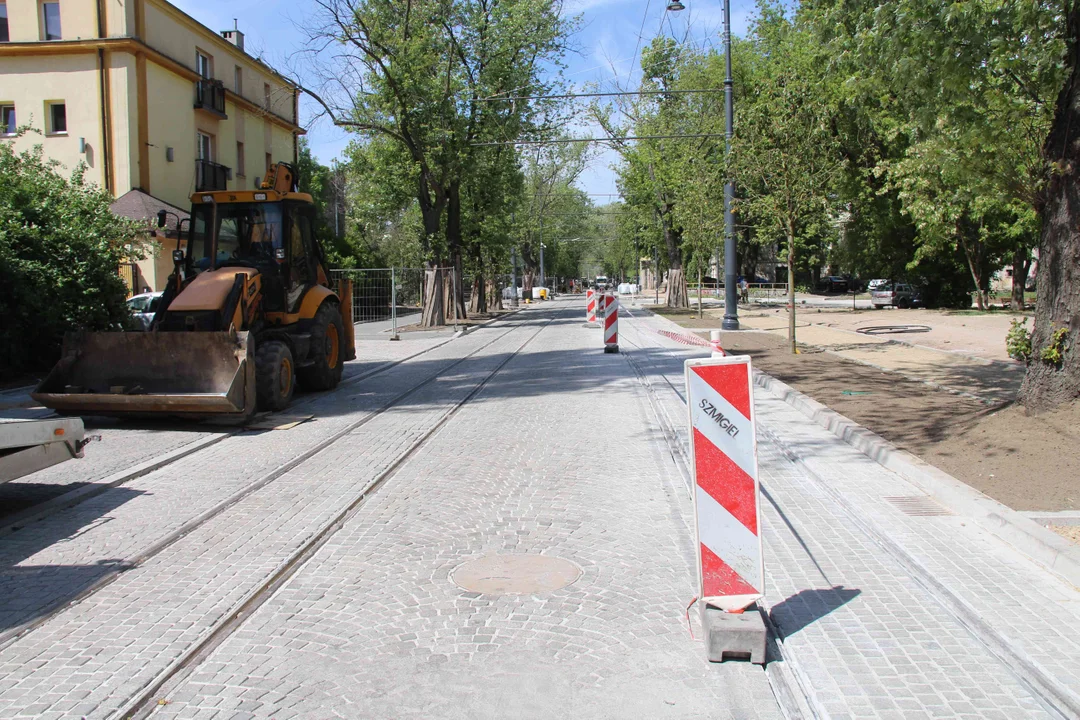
{"x":918,"y":506}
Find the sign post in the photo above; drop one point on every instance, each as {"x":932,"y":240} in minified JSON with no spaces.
{"x":590,"y":306}
{"x":723,"y":445}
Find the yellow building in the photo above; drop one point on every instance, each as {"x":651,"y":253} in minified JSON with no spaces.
{"x":151,"y":100}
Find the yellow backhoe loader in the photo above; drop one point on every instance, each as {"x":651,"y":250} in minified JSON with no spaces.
{"x":247,"y":314}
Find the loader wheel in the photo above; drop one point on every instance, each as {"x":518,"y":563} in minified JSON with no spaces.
{"x":274,"y":376}
{"x":327,"y":354}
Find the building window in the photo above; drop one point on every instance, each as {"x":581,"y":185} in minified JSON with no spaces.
{"x":240,"y":160}
{"x":56,"y":113}
{"x":266,"y":95}
{"x":204,"y":65}
{"x":238,"y":80}
{"x":269,"y":162}
{"x":7,"y":120}
{"x":50,"y":13}
{"x":204,"y":144}
{"x":4,"y":37}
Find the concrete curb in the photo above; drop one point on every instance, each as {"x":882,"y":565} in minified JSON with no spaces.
{"x":1027,"y":536}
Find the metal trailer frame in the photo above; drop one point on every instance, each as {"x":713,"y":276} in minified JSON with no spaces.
{"x":27,"y":446}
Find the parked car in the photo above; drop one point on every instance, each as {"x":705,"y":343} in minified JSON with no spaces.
{"x":875,"y":284}
{"x":143,"y":307}
{"x":627,"y":289}
{"x":902,"y":295}
{"x":834,"y":283}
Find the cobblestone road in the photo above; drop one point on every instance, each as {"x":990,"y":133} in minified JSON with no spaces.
{"x":558,"y":450}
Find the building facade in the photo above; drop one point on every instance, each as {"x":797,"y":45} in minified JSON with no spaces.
{"x":151,"y":100}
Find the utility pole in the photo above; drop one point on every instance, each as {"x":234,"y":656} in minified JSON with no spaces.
{"x":731,"y":271}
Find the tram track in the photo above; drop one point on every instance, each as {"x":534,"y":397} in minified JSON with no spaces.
{"x":65,"y":501}
{"x":143,"y":703}
{"x":60,"y":604}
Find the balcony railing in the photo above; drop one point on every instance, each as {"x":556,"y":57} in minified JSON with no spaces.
{"x":210,"y":96}
{"x":210,"y":176}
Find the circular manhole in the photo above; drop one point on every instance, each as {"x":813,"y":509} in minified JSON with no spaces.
{"x":515,"y":574}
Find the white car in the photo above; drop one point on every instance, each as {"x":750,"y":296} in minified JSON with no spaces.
{"x":627,"y":289}
{"x":143,"y":307}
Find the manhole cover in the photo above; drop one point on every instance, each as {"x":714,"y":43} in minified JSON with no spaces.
{"x":515,"y":574}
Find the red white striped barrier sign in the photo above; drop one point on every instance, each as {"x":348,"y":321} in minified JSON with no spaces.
{"x":611,"y":324}
{"x":723,"y":443}
{"x":590,"y":306}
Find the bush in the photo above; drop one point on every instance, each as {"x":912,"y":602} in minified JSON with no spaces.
{"x":60,"y":251}
{"x":1018,"y":341}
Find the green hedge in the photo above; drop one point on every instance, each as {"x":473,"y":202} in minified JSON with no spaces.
{"x":60,"y":248}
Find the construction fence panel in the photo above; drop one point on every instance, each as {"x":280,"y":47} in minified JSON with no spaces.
{"x":390,"y":296}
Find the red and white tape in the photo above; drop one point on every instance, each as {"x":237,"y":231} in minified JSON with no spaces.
{"x":723,"y":444}
{"x":693,"y":340}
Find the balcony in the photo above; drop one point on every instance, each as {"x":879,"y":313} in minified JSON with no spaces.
{"x":210,"y":176}
{"x":210,"y":96}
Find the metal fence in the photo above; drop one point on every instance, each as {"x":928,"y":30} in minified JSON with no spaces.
{"x":764,"y":293}
{"x":387,"y":299}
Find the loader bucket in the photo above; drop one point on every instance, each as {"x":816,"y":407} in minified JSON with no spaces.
{"x":190,"y":374}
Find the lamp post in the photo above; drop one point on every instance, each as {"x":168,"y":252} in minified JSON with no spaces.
{"x":731,"y":271}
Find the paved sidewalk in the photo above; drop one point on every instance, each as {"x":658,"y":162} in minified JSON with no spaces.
{"x":886,"y":614}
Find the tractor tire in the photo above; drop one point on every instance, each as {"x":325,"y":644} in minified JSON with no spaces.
{"x":327,"y":354}
{"x":275,"y":378}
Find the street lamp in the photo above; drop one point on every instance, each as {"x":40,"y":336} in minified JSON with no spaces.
{"x":731,"y":270}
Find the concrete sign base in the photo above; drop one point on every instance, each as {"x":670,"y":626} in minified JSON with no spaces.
{"x":734,"y":636}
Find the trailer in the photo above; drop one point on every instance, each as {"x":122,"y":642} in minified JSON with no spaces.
{"x":27,"y":446}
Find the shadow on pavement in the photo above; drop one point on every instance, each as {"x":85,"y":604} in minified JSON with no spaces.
{"x":809,"y":606}
{"x":29,"y":590}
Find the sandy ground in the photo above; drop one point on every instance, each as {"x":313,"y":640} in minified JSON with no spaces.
{"x":1027,"y":463}
{"x":968,"y":332}
{"x":1072,"y":532}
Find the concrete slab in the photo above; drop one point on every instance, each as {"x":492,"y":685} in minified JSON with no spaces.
{"x":734,"y":636}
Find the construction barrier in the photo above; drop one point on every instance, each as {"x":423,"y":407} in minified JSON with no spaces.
{"x":590,"y":305}
{"x":723,"y":443}
{"x":611,"y":324}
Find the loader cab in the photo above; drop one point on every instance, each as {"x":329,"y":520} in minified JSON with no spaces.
{"x":272,"y":236}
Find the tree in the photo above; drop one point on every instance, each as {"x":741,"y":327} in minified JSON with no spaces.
{"x":650,"y":168}
{"x":966,"y":87}
{"x":1053,"y":375}
{"x":60,"y":252}
{"x":421,"y":75}
{"x":785,"y":156}
{"x":549,"y":206}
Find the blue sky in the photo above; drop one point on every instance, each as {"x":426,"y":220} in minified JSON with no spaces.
{"x":607,"y":49}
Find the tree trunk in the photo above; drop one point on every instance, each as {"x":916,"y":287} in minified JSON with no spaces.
{"x":433,"y":314}
{"x":973,"y":253}
{"x":454,"y":244}
{"x":495,"y":301}
{"x":1019,"y":277}
{"x":527,"y":280}
{"x":677,"y":296}
{"x":1057,"y":303}
{"x":478,"y":301}
{"x":791,"y":287}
